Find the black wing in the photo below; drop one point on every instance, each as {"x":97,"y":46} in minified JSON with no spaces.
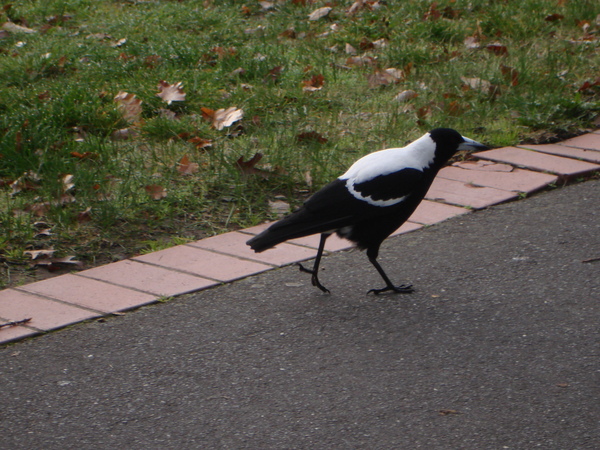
{"x":391,"y":186}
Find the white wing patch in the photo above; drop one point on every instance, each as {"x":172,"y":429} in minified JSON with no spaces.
{"x":417,"y":155}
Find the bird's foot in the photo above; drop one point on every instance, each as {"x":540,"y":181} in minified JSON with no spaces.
{"x":314,"y":279}
{"x":402,"y":289}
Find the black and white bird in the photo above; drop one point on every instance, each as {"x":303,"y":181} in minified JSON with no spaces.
{"x":377,"y":194}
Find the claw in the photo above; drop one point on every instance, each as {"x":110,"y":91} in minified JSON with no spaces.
{"x":314,"y":279}
{"x":402,"y":289}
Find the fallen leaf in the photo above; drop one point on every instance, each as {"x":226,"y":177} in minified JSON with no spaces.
{"x":357,"y":5}
{"x":290,"y":33}
{"x":477,"y":84}
{"x":360,"y":61}
{"x":248,"y":167}
{"x":472,"y":42}
{"x":44,"y":232}
{"x":314,"y":84}
{"x":26,"y":182}
{"x":152,"y":61}
{"x":67,"y":183}
{"x":200,"y":143}
{"x":171,"y":92}
{"x":85,"y":215}
{"x":554,"y":17}
{"x":129,"y":106}
{"x":67,"y":260}
{"x":311,"y":136}
{"x":155,"y":191}
{"x":14,"y":28}
{"x":319,"y":13}
{"x":274,"y":73}
{"x":385,"y":77}
{"x":123,"y":134}
{"x":119,"y":43}
{"x":37,"y":253}
{"x":350,"y":50}
{"x":589,"y":84}
{"x":186,"y":167}
{"x":405,"y":96}
{"x":497,"y":49}
{"x":226,"y":117}
{"x":99,"y":36}
{"x":84,"y":155}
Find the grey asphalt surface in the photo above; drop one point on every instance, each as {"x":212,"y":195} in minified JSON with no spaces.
{"x":498,"y":348}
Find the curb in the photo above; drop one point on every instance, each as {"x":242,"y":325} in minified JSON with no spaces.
{"x":496,"y":176}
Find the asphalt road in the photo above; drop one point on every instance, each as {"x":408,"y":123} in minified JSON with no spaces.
{"x":498,"y":348}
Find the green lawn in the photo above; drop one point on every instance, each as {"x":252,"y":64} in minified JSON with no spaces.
{"x":100,"y":179}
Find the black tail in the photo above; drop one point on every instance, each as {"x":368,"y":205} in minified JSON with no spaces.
{"x":298,"y":224}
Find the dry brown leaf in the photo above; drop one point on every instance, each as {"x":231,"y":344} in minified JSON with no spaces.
{"x":123,"y":134}
{"x":226,"y":117}
{"x":356,"y":6}
{"x":359,"y":61}
{"x":497,"y":49}
{"x":311,"y":136}
{"x":85,"y":215}
{"x":200,"y":143}
{"x":274,"y":73}
{"x":385,"y":77}
{"x":155,"y":191}
{"x":84,"y":155}
{"x":186,"y":167}
{"x":14,"y":28}
{"x":248,"y":167}
{"x":171,"y":92}
{"x":37,"y":253}
{"x":67,"y":183}
{"x":119,"y":43}
{"x":477,"y":84}
{"x":554,"y":17}
{"x":319,"y":13}
{"x":405,"y":96}
{"x":43,"y":232}
{"x":26,"y":182}
{"x":129,"y":106}
{"x":314,"y":84}
{"x":472,"y":42}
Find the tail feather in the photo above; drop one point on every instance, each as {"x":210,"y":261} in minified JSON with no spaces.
{"x":298,"y":224}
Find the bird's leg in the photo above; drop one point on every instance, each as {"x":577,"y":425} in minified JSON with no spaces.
{"x":315,"y":270}
{"x":402,"y":289}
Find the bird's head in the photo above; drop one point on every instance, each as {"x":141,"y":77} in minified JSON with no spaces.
{"x":449,"y":141}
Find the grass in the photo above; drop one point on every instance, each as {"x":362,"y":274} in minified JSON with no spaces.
{"x":58,"y":115}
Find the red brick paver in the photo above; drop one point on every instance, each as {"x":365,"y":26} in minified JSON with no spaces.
{"x":204,"y":263}
{"x":234,"y":244}
{"x":45,"y":314}
{"x":67,"y":299}
{"x":565,"y":167}
{"x":144,"y":277}
{"x":482,"y":173}
{"x":91,"y":294}
{"x":467,"y":194}
{"x":592,"y":156}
